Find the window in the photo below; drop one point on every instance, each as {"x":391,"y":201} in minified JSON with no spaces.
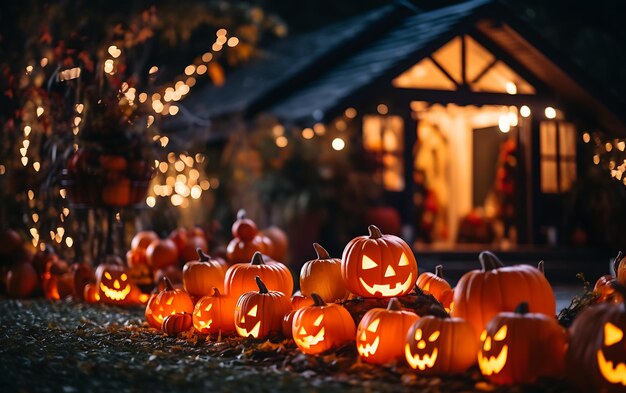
{"x":558,"y":156}
{"x":383,"y":137}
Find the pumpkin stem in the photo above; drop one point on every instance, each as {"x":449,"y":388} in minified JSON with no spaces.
{"x":541,"y":267}
{"x":216,"y":292}
{"x":439,"y":271}
{"x":317,"y":300}
{"x":202,"y":256}
{"x":438,"y":311}
{"x":241,"y":214}
{"x":489,"y":261}
{"x":522,"y":308}
{"x":320,"y":251}
{"x":257,"y":259}
{"x":375,"y":233}
{"x":168,"y":284}
{"x":394,"y":305}
{"x":261,"y":285}
{"x":617,"y":261}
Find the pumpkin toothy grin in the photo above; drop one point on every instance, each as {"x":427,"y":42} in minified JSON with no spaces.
{"x":386,"y":290}
{"x":245,"y":333}
{"x":369,"y":349}
{"x":415,"y":361}
{"x":613,"y":374}
{"x":309,"y":341}
{"x":114,"y":294}
{"x":493,"y":365}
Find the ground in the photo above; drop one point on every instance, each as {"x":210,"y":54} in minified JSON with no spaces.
{"x":69,"y":346}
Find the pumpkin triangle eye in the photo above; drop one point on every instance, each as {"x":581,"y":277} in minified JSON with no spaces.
{"x":612,"y":334}
{"x":433,"y":337}
{"x":302,"y":331}
{"x":209,"y":307}
{"x":368,"y":263}
{"x":319,"y":320}
{"x":501,"y":334}
{"x":252,"y":312}
{"x":373,"y":327}
{"x":404,"y":261}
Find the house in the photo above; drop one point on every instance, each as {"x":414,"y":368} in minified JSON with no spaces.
{"x":479,"y":128}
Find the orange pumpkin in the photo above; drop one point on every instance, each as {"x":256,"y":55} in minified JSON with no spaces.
{"x":168,"y":302}
{"x":240,"y":276}
{"x":246,"y":240}
{"x":21,"y":280}
{"x":142,"y":240}
{"x":323,"y":276}
{"x":320,"y":327}
{"x":258,"y":314}
{"x":90,"y":293}
{"x":214,"y":313}
{"x":519,"y":347}
{"x":190,"y":250}
{"x":152,"y":308}
{"x":115,"y":286}
{"x":201,"y":276}
{"x":175,"y":324}
{"x":381,"y":334}
{"x":481,"y":294}
{"x":82,"y":275}
{"x":378,"y":265}
{"x":244,"y":228}
{"x":605,"y":290}
{"x":438,"y":344}
{"x":299,"y":301}
{"x":162,"y":253}
{"x":434,"y":284}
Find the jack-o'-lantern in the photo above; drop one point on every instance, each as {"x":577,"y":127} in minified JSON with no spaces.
{"x":323,"y":276}
{"x":596,"y":356}
{"x":246,"y":240}
{"x":240,"y":276}
{"x":378,"y":265}
{"x":258,"y":314}
{"x":214,"y":314}
{"x":434,"y":284}
{"x":115,"y":286}
{"x":322,"y":326}
{"x":519,"y":347}
{"x":381,"y":334}
{"x":201,"y":276}
{"x":138,"y":270}
{"x":175,"y":324}
{"x":481,"y":294}
{"x":438,"y":344}
{"x":152,"y":308}
{"x":168,"y":302}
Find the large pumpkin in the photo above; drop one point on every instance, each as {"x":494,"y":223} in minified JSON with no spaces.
{"x":323,"y":276}
{"x":201,"y":276}
{"x":596,"y":357}
{"x":438,"y":344}
{"x":381,"y":334}
{"x":168,"y":302}
{"x":162,"y":253}
{"x":519,"y":347}
{"x":215,"y":313}
{"x":260,"y":313}
{"x":378,"y":265}
{"x":481,"y":294}
{"x":322,"y":326}
{"x":240,"y":276}
{"x":115,"y":286}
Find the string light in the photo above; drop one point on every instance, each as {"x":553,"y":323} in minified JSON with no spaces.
{"x":338,"y":144}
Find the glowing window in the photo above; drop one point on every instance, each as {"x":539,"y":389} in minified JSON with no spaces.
{"x":558,"y":156}
{"x":383,"y":138}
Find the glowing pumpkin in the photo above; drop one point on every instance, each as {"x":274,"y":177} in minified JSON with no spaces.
{"x":240,"y":277}
{"x":201,"y":276}
{"x":381,"y":334}
{"x":258,"y":314}
{"x":481,"y":294}
{"x":322,"y":326}
{"x":214,"y":314}
{"x":378,"y":265}
{"x":519,"y":347}
{"x":115,"y":286}
{"x":323,"y":276}
{"x":168,"y":302}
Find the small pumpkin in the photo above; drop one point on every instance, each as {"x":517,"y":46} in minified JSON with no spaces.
{"x":90,"y":293}
{"x":162,"y":253}
{"x":214,"y":313}
{"x":605,"y":290}
{"x":519,"y":347}
{"x":380,"y":266}
{"x":434,"y":284}
{"x":323,"y":276}
{"x":82,"y":275}
{"x":169,"y":301}
{"x":246,"y":240}
{"x":258,"y":314}
{"x":299,"y":301}
{"x":178,"y":323}
{"x":240,"y":277}
{"x":481,"y":294}
{"x":380,"y":337}
{"x":438,"y":344}
{"x":322,"y":326}
{"x":114,"y":284}
{"x":202,"y":275}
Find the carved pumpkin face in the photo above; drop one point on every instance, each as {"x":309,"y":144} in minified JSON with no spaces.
{"x":378,"y":265}
{"x":320,"y":327}
{"x":168,"y":302}
{"x":258,"y":314}
{"x":114,"y":284}
{"x":611,"y":362}
{"x":214,"y":314}
{"x":381,"y":334}
{"x":494,"y":353}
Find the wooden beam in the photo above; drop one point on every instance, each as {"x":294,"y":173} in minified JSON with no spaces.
{"x":402,"y":96}
{"x":443,"y":70}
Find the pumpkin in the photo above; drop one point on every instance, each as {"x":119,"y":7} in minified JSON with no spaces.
{"x":21,"y":280}
{"x":152,"y":308}
{"x":320,"y":327}
{"x":258,"y":314}
{"x":299,"y":301}
{"x":279,"y":240}
{"x":114,"y":284}
{"x":246,"y":240}
{"x":162,"y":253}
{"x":434,"y":284}
{"x":214,"y":313}
{"x":481,"y":294}
{"x":90,"y":293}
{"x":168,"y":302}
{"x":142,"y":240}
{"x":519,"y":347}
{"x":288,"y":323}
{"x":323,"y":276}
{"x":190,"y":250}
{"x":596,"y":356}
{"x":438,"y":344}
{"x":381,"y":334}
{"x":606,"y":292}
{"x":378,"y":265}
{"x":201,"y":276}
{"x":178,"y":323}
{"x":244,"y":228}
{"x":240,"y":276}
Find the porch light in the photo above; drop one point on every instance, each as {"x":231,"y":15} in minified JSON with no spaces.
{"x":511,"y":88}
{"x":504,"y":123}
{"x":550,"y":112}
{"x":338,"y":144}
